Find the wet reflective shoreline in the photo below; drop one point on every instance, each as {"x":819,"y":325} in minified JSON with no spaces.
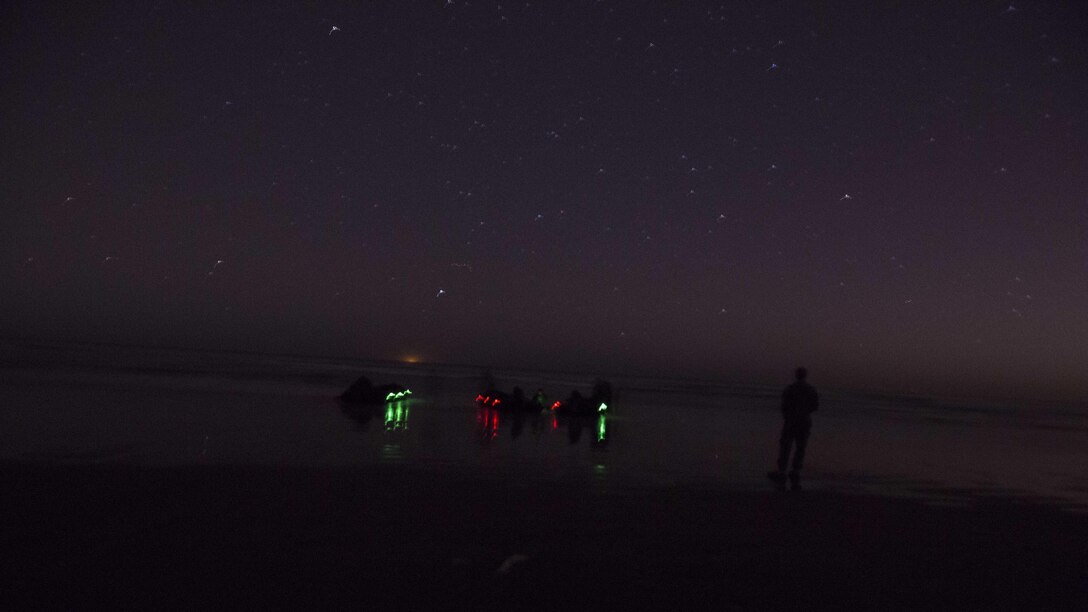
{"x":648,"y":440}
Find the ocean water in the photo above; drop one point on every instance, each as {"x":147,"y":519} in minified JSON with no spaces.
{"x":95,"y":404}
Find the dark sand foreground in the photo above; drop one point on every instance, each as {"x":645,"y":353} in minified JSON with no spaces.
{"x":81,"y":537}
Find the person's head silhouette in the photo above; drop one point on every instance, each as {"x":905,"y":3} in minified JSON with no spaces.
{"x":800,"y":373}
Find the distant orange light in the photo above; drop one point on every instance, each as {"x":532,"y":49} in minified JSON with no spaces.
{"x":410,"y":359}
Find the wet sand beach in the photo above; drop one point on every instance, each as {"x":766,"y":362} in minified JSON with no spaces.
{"x":176,"y":481}
{"x":226,"y":536}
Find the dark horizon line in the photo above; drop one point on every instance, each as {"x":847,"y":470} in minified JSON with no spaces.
{"x":870,"y":392}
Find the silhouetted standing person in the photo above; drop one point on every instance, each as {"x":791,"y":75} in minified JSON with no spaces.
{"x":799,"y":401}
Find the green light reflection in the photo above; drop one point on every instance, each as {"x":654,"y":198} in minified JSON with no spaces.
{"x":396,"y":416}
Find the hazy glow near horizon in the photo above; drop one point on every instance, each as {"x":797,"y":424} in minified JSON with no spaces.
{"x":893,"y":196}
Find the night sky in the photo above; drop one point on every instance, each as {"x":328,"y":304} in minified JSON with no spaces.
{"x":893,"y":194}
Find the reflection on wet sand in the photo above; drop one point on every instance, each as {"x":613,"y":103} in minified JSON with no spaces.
{"x":487,"y":420}
{"x":490,"y":420}
{"x":861,"y":447}
{"x":396,"y":415}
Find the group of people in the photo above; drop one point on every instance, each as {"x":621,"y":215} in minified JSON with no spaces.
{"x":600,"y":400}
{"x":799,"y":401}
